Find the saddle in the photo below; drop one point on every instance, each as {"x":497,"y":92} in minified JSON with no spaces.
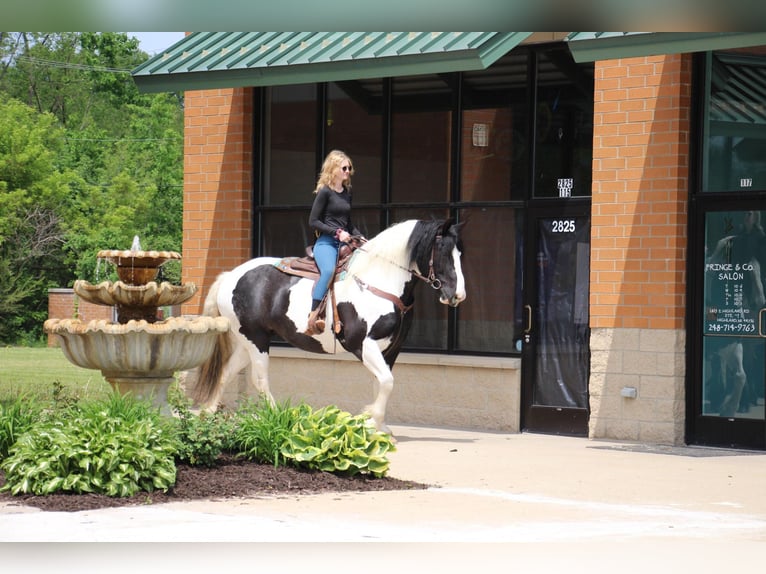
{"x":307,"y":267}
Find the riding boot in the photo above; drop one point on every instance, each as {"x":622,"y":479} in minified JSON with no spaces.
{"x":316,"y":324}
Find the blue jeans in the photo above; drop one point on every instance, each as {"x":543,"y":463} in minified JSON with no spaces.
{"x":326,"y":256}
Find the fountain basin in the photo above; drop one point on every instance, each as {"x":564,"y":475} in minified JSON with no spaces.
{"x":137,"y":267}
{"x":120,"y":293}
{"x":139,"y":357}
{"x":134,"y":301}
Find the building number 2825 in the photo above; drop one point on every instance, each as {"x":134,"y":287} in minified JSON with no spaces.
{"x":563,"y":226}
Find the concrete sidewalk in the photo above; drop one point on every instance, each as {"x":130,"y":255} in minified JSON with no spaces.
{"x":541,"y":500}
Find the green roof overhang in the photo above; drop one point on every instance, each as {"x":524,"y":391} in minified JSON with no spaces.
{"x":593,"y":46}
{"x":206,"y":60}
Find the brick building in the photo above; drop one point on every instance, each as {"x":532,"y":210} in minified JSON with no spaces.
{"x":604,"y":178}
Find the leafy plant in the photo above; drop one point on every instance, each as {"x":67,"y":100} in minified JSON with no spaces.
{"x":15,"y":419}
{"x":263,"y":428}
{"x":332,"y":440}
{"x":203,"y":437}
{"x":116,"y":446}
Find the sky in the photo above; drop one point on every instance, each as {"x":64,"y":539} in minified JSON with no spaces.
{"x":154,"y":42}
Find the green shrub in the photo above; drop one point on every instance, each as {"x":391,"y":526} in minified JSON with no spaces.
{"x":116,"y":446}
{"x":15,"y":419}
{"x":335,"y":441}
{"x":263,"y":429}
{"x":203,"y":437}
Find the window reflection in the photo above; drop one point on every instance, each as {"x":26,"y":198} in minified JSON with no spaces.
{"x":734,"y":372}
{"x":735,"y":157}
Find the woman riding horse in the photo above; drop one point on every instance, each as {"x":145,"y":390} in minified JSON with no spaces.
{"x":373,"y":298}
{"x":331,"y":220}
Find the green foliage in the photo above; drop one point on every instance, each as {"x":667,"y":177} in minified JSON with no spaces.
{"x":118,"y":446}
{"x":328,"y":439}
{"x":86,"y":163}
{"x":332,"y":440}
{"x":15,"y":419}
{"x":264,"y":428}
{"x":203,"y":437}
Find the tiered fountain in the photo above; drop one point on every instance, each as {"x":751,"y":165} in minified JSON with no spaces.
{"x":139,"y":353}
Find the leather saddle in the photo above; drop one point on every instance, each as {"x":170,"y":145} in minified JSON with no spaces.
{"x":307,"y":267}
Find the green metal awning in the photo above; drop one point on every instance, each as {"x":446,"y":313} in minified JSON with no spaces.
{"x":593,"y":46}
{"x":204,"y":60}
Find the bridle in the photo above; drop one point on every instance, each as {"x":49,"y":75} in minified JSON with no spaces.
{"x":431,"y":279}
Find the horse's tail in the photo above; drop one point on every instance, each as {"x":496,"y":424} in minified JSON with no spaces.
{"x":209,"y":373}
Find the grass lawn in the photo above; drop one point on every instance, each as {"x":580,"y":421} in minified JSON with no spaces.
{"x":34,"y":370}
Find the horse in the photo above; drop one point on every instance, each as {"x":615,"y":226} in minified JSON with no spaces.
{"x":373,"y":297}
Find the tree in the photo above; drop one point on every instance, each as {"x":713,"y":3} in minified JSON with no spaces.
{"x":86,"y":162}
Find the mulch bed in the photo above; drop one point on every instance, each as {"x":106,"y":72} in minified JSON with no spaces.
{"x":230,"y":478}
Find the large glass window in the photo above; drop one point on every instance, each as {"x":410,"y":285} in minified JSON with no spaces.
{"x":354,"y":125}
{"x":408,"y":137}
{"x":563,"y":126}
{"x":490,"y":319}
{"x":734,"y":155}
{"x":494,"y":144}
{"x":290,"y":145}
{"x":734,"y":325}
{"x":420,"y":140}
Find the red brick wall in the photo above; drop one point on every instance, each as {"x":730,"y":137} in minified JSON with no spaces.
{"x":217,"y":226}
{"x":640,"y":185}
{"x":62,"y":304}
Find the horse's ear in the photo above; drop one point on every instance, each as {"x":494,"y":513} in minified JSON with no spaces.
{"x":449,"y":224}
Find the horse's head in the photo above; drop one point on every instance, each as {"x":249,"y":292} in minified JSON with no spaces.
{"x":445,"y":272}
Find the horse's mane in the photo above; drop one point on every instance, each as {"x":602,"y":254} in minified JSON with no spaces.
{"x":400,"y":244}
{"x":390,"y":245}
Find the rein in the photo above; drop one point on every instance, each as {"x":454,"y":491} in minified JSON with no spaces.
{"x":432,"y":280}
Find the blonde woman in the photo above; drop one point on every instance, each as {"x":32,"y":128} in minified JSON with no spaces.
{"x":331,"y":219}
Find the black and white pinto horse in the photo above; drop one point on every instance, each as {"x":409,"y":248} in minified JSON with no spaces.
{"x":373,"y":299}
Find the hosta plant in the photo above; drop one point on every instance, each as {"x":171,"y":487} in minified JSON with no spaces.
{"x":333,"y":440}
{"x":117,"y":446}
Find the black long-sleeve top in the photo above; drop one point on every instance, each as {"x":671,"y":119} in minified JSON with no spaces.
{"x":332,"y":211}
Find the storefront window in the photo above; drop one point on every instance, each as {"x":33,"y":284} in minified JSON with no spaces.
{"x":734,"y":332}
{"x":495,"y":125}
{"x":564,"y":127}
{"x":491,"y":317}
{"x":735,"y":121}
{"x":354,"y":128}
{"x":420,"y":140}
{"x":436,"y":146}
{"x":290,"y":136}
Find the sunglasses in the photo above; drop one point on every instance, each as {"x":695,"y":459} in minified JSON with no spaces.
{"x":346,"y":168}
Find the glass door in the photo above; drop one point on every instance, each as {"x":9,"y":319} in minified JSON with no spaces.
{"x":556,"y":339}
{"x":730,"y":397}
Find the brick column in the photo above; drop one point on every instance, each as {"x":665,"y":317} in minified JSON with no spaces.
{"x":638,"y":247}
{"x":218,"y":157}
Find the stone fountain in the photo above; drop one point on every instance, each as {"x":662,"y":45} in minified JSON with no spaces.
{"x":138,"y":353}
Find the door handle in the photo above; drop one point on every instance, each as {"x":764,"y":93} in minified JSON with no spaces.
{"x":529,"y":319}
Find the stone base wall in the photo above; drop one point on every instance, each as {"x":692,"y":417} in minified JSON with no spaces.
{"x":651,"y":361}
{"x":435,"y":390}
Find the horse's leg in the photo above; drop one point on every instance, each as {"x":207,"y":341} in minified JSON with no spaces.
{"x":373,"y":359}
{"x":259,"y":372}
